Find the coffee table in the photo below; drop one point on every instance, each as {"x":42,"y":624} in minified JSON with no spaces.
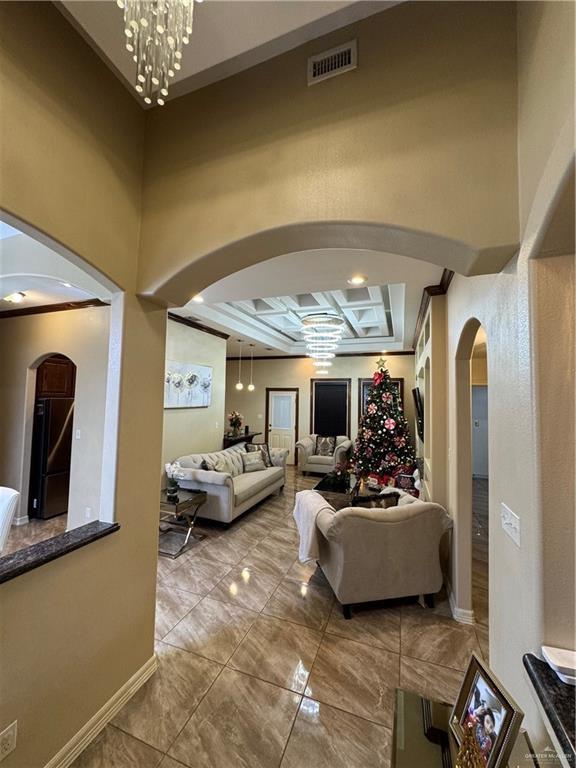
{"x":177,"y":520}
{"x":341,"y":491}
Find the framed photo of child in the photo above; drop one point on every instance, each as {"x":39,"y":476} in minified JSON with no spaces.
{"x":484,"y":705}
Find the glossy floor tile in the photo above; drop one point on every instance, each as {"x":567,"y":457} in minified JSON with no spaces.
{"x":247,"y":587}
{"x":212,"y":629}
{"x":430,"y":680}
{"x":436,"y":639}
{"x":115,"y":749}
{"x":301,"y":602}
{"x":279,"y":652}
{"x":241,"y":722}
{"x":196,"y":573}
{"x":374,"y":626}
{"x":358,"y":678}
{"x":159,"y":710}
{"x":325,"y":737}
{"x":171,"y":606}
{"x":246,"y":630}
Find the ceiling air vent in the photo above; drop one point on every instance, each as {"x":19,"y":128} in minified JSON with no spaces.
{"x":333,"y":62}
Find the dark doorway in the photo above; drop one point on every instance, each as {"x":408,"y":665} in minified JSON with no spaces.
{"x":330,"y":406}
{"x":52,"y":438}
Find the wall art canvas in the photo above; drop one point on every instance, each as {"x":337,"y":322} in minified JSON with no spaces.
{"x":187,"y":385}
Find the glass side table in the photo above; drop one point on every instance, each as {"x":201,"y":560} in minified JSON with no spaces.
{"x":177,"y":520}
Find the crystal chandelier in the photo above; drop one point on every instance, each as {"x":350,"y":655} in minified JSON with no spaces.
{"x":322,"y":332}
{"x":156,"y":32}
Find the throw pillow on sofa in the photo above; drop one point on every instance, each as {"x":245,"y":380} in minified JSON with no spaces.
{"x":217,"y":465}
{"x":325,"y":446}
{"x":253,"y":461}
{"x":264,"y":450}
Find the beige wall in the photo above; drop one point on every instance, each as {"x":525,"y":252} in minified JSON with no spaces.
{"x":297,"y":372}
{"x":554,"y":299}
{"x":435,"y":89}
{"x":70,"y":159}
{"x":83,"y":336}
{"x":545,"y":81}
{"x":192,"y":430}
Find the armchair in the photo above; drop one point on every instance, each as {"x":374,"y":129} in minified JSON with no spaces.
{"x":377,"y":554}
{"x":308,"y":461}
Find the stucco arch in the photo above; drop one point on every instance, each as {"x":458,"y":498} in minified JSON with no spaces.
{"x":204,"y":269}
{"x":462,"y":549}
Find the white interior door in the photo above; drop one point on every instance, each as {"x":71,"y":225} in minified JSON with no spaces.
{"x":282,"y":421}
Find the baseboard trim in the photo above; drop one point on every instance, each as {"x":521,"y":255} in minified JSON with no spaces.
{"x":20,"y":520}
{"x":460,"y":614}
{"x":78,"y":743}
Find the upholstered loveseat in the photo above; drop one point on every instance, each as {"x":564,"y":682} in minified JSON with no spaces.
{"x":376,"y":554}
{"x":310,"y":461}
{"x":232,"y":491}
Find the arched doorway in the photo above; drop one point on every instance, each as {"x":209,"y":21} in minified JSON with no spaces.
{"x":51,"y":450}
{"x":470,"y":574}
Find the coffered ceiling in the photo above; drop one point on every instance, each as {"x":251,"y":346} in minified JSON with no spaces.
{"x":380,"y":314}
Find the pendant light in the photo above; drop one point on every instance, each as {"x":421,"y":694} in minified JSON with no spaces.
{"x":239,"y":384}
{"x":251,"y":386}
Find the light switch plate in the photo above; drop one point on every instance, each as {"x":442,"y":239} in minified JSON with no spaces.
{"x":510,"y":523}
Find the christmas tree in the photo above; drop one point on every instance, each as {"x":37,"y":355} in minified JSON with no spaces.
{"x":383,"y":447}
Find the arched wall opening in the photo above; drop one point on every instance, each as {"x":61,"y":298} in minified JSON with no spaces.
{"x":49,"y":450}
{"x":199,"y":271}
{"x":462,"y":549}
{"x":91,"y":338}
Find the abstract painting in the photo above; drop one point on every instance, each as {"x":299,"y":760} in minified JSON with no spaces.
{"x":187,"y":385}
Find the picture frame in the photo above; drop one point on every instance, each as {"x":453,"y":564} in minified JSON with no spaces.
{"x":187,"y":385}
{"x":495,"y":716}
{"x":363,"y":389}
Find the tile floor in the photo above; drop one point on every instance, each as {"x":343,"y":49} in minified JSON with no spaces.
{"x":33,"y":532}
{"x":257,"y":667}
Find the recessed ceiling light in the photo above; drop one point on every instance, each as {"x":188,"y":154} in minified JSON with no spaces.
{"x":15,"y":298}
{"x":357,"y":280}
{"x":198,"y":298}
{"x":66,"y":285}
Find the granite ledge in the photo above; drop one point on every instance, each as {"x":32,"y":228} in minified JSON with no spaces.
{"x":558,"y":701}
{"x":25,"y":560}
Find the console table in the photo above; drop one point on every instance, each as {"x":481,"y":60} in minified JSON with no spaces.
{"x":422,"y":736}
{"x":241,"y":438}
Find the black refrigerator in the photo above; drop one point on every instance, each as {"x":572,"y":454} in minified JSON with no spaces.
{"x":51,"y":451}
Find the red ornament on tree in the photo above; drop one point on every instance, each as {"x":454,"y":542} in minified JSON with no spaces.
{"x":383,"y":443}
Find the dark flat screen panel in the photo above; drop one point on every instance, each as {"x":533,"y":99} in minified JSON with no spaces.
{"x":330,"y":407}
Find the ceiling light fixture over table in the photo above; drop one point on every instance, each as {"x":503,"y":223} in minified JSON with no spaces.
{"x":156,"y":32}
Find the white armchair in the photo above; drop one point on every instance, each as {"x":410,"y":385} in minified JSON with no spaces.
{"x":309,"y":461}
{"x":377,"y":554}
{"x":8,"y":501}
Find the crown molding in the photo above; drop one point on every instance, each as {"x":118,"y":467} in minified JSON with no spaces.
{"x":197,"y":326}
{"x":63,"y":307}
{"x":431,"y":290}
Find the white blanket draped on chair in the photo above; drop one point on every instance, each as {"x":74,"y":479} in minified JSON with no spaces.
{"x":308,"y":505}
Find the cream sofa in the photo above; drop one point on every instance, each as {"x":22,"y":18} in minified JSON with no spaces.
{"x":233,"y":492}
{"x":377,"y":554}
{"x":308,"y":461}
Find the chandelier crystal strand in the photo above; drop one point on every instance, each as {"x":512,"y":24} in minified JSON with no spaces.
{"x":322,"y":332}
{"x":156,"y":32}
